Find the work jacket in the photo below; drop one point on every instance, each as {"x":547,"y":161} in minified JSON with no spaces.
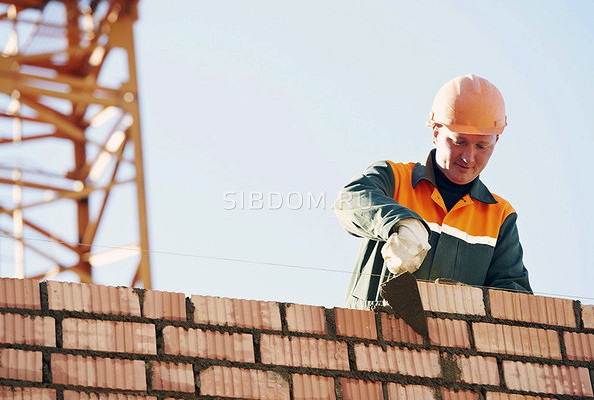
{"x":476,"y":242}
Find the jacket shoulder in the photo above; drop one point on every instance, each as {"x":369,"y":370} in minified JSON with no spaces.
{"x":400,"y":168}
{"x":504,"y":205}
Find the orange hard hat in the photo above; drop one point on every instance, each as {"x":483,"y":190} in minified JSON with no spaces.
{"x":469,"y":104}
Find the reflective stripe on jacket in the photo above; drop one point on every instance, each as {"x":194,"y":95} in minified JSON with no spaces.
{"x":476,"y":242}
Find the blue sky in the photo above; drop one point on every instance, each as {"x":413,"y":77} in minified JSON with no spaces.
{"x":289,"y":100}
{"x":298,"y":97}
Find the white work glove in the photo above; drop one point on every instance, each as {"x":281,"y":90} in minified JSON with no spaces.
{"x":407,"y":247}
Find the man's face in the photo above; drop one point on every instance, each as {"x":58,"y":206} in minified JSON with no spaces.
{"x":460,"y":156}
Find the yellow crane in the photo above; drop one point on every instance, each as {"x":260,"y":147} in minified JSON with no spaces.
{"x":69,"y":119}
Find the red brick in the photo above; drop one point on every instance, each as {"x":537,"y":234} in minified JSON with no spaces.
{"x":92,"y":298}
{"x":410,"y":392}
{"x":109,"y":336}
{"x":27,"y":393}
{"x":164,"y":305}
{"x":447,"y":394}
{"x":477,"y":369}
{"x":397,"y":360}
{"x":396,"y":330}
{"x":312,"y":387}
{"x":356,"y":323}
{"x":552,"y":379}
{"x":506,"y":396}
{"x":530,"y":308}
{"x":25,"y":329}
{"x":417,"y":392}
{"x":302,"y":318}
{"x":236,"y":312}
{"x":588,"y":316}
{"x":579,"y":346}
{"x":354,"y":389}
{"x":452,"y":298}
{"x":20,"y":293}
{"x":505,"y":339}
{"x":98,"y":372}
{"x":173,"y":377}
{"x":304,"y":352}
{"x":21,"y":365}
{"x":243,"y":383}
{"x":209,"y":344}
{"x":71,"y":395}
{"x":448,"y":332}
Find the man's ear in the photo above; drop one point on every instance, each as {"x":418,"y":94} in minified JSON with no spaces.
{"x":435,"y":133}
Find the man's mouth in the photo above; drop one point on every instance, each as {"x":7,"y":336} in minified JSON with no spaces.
{"x":465,"y":167}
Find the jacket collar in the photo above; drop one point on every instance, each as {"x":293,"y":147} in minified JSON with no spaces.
{"x":478,"y":190}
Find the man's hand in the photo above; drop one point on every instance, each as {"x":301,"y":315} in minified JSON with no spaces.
{"x":407,"y":247}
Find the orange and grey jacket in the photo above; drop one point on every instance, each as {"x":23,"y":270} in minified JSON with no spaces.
{"x":476,"y":242}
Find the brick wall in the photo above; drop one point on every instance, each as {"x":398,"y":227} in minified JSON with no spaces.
{"x":66,"y":341}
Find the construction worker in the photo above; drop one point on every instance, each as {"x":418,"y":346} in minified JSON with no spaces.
{"x":437,"y":219}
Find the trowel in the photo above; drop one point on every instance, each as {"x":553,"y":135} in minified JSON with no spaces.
{"x":402,"y":294}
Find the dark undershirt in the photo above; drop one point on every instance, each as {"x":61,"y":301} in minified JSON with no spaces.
{"x":450,"y":191}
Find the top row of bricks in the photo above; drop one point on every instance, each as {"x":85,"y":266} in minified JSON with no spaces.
{"x":467,"y":300}
{"x":25,"y":293}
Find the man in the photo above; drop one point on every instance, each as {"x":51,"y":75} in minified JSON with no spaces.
{"x":437,"y":220}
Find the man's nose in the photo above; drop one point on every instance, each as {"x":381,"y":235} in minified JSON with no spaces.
{"x":468,"y":155}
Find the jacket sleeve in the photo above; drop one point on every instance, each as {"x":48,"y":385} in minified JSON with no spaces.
{"x":366,"y":208}
{"x":507,"y":269}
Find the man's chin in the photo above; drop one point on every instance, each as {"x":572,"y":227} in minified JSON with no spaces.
{"x":462,"y":176}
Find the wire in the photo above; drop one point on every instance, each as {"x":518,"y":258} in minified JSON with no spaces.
{"x":268,"y":263}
